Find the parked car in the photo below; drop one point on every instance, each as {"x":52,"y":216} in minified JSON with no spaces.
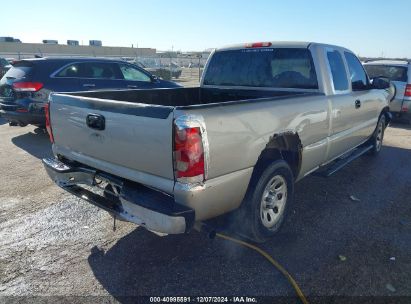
{"x":399,"y":72}
{"x":25,"y":88}
{"x":195,"y":65}
{"x":176,"y":70}
{"x":265,"y":116}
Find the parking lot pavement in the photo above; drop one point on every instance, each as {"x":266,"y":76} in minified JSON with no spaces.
{"x":54,"y":244}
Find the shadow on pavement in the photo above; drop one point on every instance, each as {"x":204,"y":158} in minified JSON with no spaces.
{"x":37,"y":143}
{"x":142,"y":263}
{"x":398,"y":125}
{"x":323,"y":224}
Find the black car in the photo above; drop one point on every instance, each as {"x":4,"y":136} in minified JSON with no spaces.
{"x":25,"y":88}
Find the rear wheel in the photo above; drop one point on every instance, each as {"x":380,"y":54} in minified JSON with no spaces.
{"x":267,"y":200}
{"x":378,"y":136}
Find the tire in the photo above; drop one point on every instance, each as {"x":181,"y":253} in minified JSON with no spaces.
{"x":378,"y":136}
{"x":266,"y":203}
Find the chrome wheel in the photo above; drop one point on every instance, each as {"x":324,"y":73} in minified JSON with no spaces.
{"x":379,"y":136}
{"x":273,"y":201}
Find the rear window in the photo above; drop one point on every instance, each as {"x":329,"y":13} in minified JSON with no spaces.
{"x":394,"y":73}
{"x":263,"y":67}
{"x":20,"y":70}
{"x":340,"y":80}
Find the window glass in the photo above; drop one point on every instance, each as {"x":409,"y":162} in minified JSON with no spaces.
{"x":20,"y":70}
{"x":359,"y":80}
{"x":133,"y":74}
{"x":394,"y":73}
{"x":263,"y":67}
{"x":98,"y":70}
{"x":338,"y":72}
{"x":69,"y":71}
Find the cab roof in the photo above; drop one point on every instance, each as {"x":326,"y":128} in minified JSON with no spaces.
{"x":278,"y":44}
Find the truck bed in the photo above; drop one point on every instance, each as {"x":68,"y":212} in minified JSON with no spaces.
{"x":185,"y":97}
{"x":136,"y":142}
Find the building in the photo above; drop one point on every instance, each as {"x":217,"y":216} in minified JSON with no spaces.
{"x":28,"y":50}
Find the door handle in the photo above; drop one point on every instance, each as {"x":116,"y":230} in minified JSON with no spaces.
{"x":130,"y":86}
{"x":96,"y":121}
{"x":358,"y":104}
{"x":89,"y":85}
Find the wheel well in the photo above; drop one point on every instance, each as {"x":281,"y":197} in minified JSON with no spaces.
{"x":286,"y":146}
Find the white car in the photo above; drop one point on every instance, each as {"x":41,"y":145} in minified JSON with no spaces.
{"x":399,"y":73}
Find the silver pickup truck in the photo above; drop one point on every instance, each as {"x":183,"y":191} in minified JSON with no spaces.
{"x":265,"y":116}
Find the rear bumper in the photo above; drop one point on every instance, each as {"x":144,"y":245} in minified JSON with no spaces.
{"x":24,"y":117}
{"x":402,"y":116}
{"x":134,"y":202}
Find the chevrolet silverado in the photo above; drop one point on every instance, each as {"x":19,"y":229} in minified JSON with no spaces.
{"x":265,"y":115}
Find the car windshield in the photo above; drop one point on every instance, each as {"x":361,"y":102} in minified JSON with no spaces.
{"x":394,"y":73}
{"x":263,"y":67}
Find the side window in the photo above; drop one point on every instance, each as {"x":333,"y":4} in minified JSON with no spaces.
{"x":359,"y":79}
{"x":69,"y":71}
{"x":133,"y":74}
{"x":99,"y":70}
{"x":337,"y":70}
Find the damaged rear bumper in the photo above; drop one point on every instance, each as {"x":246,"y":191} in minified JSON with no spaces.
{"x":131,"y":202}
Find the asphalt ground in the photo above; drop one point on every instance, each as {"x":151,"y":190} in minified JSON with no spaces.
{"x":346,"y":235}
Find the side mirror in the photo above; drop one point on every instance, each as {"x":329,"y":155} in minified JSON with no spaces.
{"x":380,"y":83}
{"x":154,"y":78}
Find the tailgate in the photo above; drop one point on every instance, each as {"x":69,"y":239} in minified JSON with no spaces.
{"x":135,"y":143}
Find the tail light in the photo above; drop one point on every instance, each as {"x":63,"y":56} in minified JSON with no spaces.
{"x":48,"y":124}
{"x":189,"y":155}
{"x":27,"y":86}
{"x":408,"y":90}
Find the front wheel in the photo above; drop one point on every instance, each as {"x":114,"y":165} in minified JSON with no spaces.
{"x":378,"y":136}
{"x":266,"y":202}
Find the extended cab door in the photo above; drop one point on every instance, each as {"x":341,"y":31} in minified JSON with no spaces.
{"x":349,"y":109}
{"x":366,"y":99}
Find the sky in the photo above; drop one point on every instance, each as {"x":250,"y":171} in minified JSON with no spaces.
{"x":368,"y":28}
